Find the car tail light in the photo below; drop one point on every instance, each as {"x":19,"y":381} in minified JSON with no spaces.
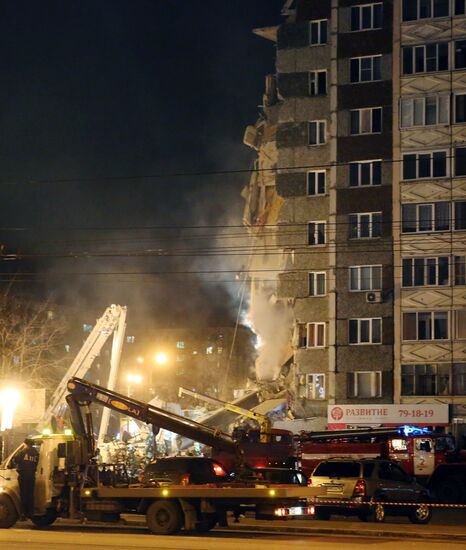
{"x":219,"y":471}
{"x":185,"y":479}
{"x":360,"y":488}
{"x":310,"y":510}
{"x":281,"y":512}
{"x":309,"y":482}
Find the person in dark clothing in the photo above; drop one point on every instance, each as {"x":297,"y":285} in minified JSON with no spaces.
{"x":26,"y":465}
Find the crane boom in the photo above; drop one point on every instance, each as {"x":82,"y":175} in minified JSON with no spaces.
{"x":264,"y":421}
{"x":111,"y":322}
{"x":82,"y":392}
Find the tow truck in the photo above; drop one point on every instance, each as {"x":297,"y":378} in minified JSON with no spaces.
{"x":71,"y":484}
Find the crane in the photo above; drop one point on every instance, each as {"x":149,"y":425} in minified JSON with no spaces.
{"x":112,"y":322}
{"x":82,"y":393}
{"x":263,"y":421}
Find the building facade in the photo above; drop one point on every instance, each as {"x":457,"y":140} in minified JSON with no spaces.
{"x":371,"y":158}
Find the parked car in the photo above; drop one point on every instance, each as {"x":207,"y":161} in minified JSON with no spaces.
{"x":357,"y":483}
{"x":274,"y":476}
{"x":182,"y":470}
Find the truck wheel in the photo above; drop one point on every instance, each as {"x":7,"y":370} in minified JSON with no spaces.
{"x":164,"y":517}
{"x":421,"y":514}
{"x":8,"y":514}
{"x":44,"y":521}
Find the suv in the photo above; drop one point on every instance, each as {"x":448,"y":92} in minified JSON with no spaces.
{"x":354,"y":484}
{"x":185,"y":470}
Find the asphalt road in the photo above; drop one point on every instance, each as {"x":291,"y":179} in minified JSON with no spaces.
{"x":81,"y":538}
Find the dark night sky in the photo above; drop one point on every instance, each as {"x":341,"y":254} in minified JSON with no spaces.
{"x":98,"y":89}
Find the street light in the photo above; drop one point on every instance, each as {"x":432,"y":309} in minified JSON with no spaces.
{"x":132,"y":379}
{"x":9,"y":399}
{"x":161,"y":358}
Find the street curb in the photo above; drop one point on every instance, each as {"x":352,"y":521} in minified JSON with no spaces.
{"x":385,"y":533}
{"x":309,"y":531}
{"x":343,"y":531}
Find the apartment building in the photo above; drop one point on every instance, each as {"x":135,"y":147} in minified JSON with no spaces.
{"x":371,"y":159}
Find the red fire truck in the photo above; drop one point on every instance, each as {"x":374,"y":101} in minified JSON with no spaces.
{"x":431,"y":458}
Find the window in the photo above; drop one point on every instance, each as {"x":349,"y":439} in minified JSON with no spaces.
{"x":432,"y":379}
{"x":460,"y":108}
{"x":130,"y":339}
{"x":318,"y":32}
{"x":424,"y":9}
{"x":365,"y":69}
{"x":180,"y":344}
{"x":418,"y":218}
{"x":366,"y":17}
{"x":316,"y":233}
{"x":317,"y":132}
{"x":317,"y":82}
{"x":364,"y":384}
{"x":316,"y":335}
{"x":460,"y":319}
{"x":316,"y":386}
{"x":425,"y":325}
{"x":460,"y":270}
{"x":426,"y":58}
{"x":365,"y":172}
{"x":365,"y":331}
{"x":460,"y":7}
{"x":317,"y":283}
{"x":460,"y":215}
{"x":460,"y":161}
{"x":365,"y":277}
{"x":459,"y":378}
{"x":460,"y":54}
{"x":87,"y":328}
{"x":366,"y":121}
{"x":316,"y":182}
{"x":365,"y":226}
{"x":301,"y":335}
{"x":425,"y":111}
{"x":431,"y":164}
{"x":425,"y":271}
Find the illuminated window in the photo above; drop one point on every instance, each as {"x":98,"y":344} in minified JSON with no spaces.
{"x":316,"y":386}
{"x":180,"y":344}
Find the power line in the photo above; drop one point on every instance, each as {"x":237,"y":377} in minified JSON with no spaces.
{"x":160,"y":175}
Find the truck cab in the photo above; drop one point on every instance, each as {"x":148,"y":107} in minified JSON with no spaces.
{"x":45,"y":491}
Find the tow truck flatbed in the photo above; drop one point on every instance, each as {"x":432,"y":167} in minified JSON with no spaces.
{"x":203,"y":492}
